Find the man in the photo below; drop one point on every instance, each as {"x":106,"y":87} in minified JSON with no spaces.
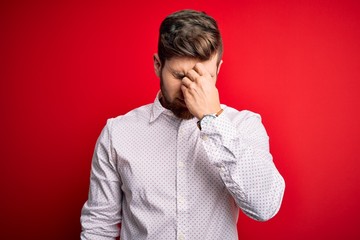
{"x":181,"y":167}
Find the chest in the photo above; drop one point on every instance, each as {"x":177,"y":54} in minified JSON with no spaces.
{"x":153,"y":159}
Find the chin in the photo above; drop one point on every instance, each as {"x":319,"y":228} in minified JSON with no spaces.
{"x":185,"y":114}
{"x":177,"y":106}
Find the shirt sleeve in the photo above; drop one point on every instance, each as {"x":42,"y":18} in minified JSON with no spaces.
{"x":101,"y":214}
{"x":240,"y":150}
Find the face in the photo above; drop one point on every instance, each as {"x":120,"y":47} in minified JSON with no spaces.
{"x":171,"y":75}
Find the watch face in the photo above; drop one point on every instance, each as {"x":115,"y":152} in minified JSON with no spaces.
{"x":210,"y":116}
{"x":206,"y":119}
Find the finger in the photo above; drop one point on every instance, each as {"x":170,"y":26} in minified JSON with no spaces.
{"x":201,"y":70}
{"x":192,"y":75}
{"x":185,"y":92}
{"x":190,"y":85}
{"x":186,"y":82}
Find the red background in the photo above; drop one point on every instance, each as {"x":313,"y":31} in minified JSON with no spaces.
{"x":66,"y":67}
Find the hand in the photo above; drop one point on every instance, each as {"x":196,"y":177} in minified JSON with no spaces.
{"x":200,"y":93}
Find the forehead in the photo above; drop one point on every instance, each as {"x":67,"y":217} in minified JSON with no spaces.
{"x":184,"y":64}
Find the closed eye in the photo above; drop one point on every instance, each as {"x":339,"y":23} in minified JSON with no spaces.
{"x":179,"y":76}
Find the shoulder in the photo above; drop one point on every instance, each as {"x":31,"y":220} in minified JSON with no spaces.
{"x":238,"y":116}
{"x":137,"y":116}
{"x":247,"y":122}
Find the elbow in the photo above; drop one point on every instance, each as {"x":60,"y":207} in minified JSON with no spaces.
{"x":265,"y":215}
{"x":274,"y":203}
{"x":269,"y":207}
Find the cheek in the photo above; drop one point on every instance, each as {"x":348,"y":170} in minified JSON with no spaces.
{"x":172,"y":87}
{"x":175,"y":86}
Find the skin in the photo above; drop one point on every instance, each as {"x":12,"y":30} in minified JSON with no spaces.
{"x":188,"y":86}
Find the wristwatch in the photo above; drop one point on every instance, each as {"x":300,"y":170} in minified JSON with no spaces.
{"x":207,"y":118}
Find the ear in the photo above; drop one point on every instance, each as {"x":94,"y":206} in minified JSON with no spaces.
{"x":157,"y":65}
{"x":220,"y":63}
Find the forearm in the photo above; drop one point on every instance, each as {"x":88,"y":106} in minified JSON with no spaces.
{"x":101,"y":214}
{"x":245,"y":165}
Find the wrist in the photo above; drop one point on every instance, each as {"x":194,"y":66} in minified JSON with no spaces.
{"x":209,"y":111}
{"x":208,"y":117}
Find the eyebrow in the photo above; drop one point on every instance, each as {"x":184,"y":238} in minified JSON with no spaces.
{"x":178,"y":74}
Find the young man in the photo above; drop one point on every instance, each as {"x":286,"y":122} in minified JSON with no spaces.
{"x":180,"y":168}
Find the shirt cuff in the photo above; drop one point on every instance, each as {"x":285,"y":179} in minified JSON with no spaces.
{"x":221,"y":130}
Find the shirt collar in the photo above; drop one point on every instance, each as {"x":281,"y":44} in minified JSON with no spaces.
{"x":158,"y":109}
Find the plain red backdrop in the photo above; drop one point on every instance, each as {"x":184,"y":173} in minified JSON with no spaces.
{"x":67,"y":66}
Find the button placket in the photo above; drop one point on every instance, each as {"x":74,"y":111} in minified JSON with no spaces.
{"x":182,"y":182}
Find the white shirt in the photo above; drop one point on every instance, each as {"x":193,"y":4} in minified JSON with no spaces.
{"x":164,"y":179}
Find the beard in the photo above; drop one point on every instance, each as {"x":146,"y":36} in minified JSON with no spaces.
{"x":177,"y":106}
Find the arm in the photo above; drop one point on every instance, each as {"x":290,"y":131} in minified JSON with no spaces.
{"x":241,"y":153}
{"x":239,"y":148}
{"x":101,"y":213}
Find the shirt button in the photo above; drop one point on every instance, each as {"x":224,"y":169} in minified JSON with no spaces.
{"x":223,"y":169}
{"x":181,"y":164}
{"x":204,"y":137}
{"x":181,"y":237}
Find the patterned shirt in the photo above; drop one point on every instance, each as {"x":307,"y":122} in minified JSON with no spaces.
{"x":162,"y":178}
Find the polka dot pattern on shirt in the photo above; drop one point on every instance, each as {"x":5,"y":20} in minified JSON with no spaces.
{"x":163,"y":178}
